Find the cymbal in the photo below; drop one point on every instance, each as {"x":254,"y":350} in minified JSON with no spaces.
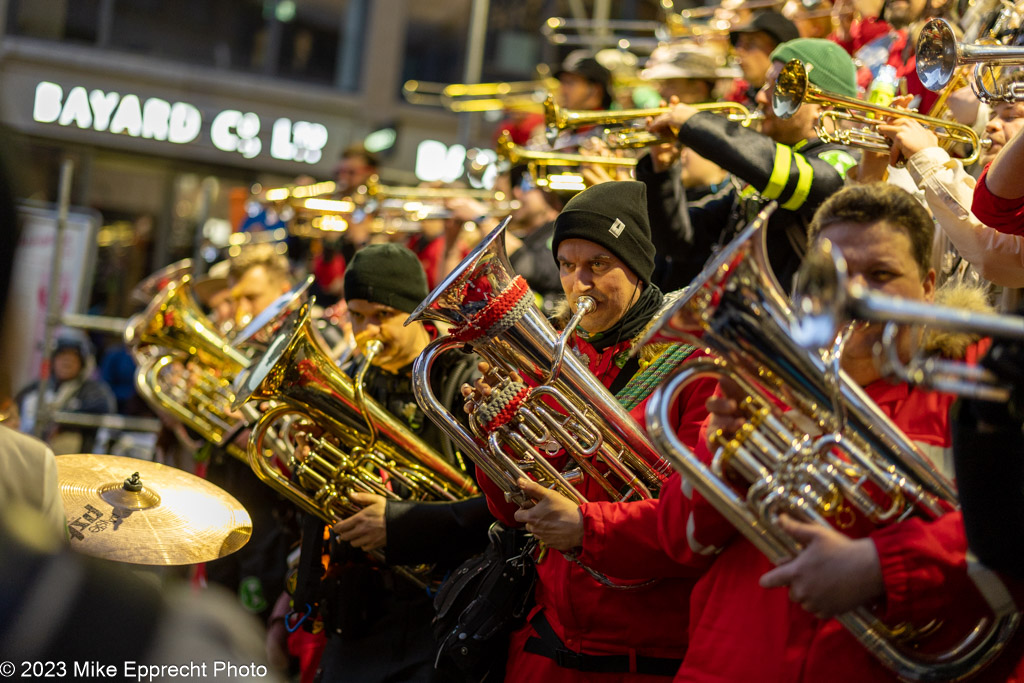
{"x":142,"y":512}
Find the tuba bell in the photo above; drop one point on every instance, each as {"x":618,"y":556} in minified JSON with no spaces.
{"x":564,"y":406}
{"x":329,"y":437}
{"x":861,"y":463}
{"x":172,"y":331}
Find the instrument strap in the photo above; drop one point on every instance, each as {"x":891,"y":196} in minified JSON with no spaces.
{"x":310,"y":569}
{"x":625,"y":374}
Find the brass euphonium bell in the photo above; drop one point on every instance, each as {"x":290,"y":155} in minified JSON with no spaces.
{"x":186,"y":366}
{"x":330,"y":437}
{"x":833,"y":456}
{"x":564,"y":406}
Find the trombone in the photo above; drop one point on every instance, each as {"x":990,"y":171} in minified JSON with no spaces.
{"x":792,"y":90}
{"x":478,"y":97}
{"x":557,"y":119}
{"x":939,"y":55}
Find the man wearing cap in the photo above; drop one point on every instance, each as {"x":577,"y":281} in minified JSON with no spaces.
{"x":785,"y":161}
{"x":378,"y":623}
{"x":582,"y":628}
{"x":676,"y":177}
{"x":754,"y":43}
{"x":583,"y":83}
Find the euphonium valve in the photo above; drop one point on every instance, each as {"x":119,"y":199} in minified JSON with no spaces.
{"x":830,"y":457}
{"x":558,"y":404}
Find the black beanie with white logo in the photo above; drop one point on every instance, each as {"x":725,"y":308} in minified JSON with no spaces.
{"x":613,"y":215}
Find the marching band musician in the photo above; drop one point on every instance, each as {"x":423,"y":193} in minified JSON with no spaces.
{"x":257,"y":276}
{"x":677,"y":176}
{"x":948,"y":192}
{"x":999,"y":194}
{"x":378,"y":624}
{"x":786,"y":161}
{"x":581,"y":629}
{"x":914,"y":571}
{"x":754,"y":42}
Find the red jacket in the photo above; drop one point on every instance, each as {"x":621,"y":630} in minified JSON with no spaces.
{"x":620,"y":541}
{"x":742,"y":632}
{"x":1005,"y":215}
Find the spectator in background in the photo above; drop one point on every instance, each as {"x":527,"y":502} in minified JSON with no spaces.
{"x":71,"y":389}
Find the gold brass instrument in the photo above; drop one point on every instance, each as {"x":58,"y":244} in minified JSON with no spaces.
{"x":811,"y":461}
{"x":826,"y":301}
{"x":564,"y":407}
{"x":197,"y":393}
{"x":539,"y":160}
{"x":940,"y":55}
{"x":353,"y":443}
{"x":793,"y":89}
{"x":478,"y":97}
{"x":557,"y":119}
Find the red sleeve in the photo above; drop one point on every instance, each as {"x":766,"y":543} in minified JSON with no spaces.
{"x":924,"y":567}
{"x":1005,"y":215}
{"x":620,"y":539}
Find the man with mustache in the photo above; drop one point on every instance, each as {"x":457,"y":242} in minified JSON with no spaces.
{"x":585,"y":626}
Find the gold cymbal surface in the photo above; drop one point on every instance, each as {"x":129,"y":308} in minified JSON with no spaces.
{"x":142,"y":512}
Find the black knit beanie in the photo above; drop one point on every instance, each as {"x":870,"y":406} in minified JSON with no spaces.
{"x":388,"y":274}
{"x":613,"y":215}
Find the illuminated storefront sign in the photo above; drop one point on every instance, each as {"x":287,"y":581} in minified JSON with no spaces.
{"x":436,"y":161}
{"x":181,"y":123}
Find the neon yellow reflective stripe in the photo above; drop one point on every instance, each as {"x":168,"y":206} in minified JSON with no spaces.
{"x":803,"y":184}
{"x":780,"y":172}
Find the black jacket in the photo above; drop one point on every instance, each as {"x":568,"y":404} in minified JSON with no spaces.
{"x":800,"y":178}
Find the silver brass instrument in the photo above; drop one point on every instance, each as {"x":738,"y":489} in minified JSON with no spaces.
{"x":793,"y":89}
{"x":811,"y":461}
{"x":826,"y":301}
{"x":940,"y":55}
{"x":564,"y":406}
{"x":331,"y":438}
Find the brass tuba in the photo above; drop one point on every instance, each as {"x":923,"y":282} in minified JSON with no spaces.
{"x":564,"y":406}
{"x":351,"y":440}
{"x":745,"y":320}
{"x":170,"y":332}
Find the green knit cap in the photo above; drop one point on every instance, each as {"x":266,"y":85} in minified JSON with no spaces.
{"x":828,"y":65}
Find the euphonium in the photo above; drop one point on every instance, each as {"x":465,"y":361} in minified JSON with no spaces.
{"x":832,"y":456}
{"x":196,"y":393}
{"x":564,"y":407}
{"x":353,"y":443}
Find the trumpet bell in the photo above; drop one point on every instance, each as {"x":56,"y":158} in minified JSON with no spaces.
{"x":790,"y":90}
{"x":937,"y":54}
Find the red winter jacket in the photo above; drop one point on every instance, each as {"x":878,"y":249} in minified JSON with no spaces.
{"x":1005,"y":215}
{"x":620,"y":540}
{"x":742,"y":632}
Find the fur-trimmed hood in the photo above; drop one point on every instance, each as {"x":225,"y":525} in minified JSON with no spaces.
{"x":960,"y":294}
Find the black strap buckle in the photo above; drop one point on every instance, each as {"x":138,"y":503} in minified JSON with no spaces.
{"x":567,"y":659}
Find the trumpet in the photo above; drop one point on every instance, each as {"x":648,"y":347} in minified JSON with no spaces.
{"x":793,"y":89}
{"x":826,"y":301}
{"x":538,"y":161}
{"x":939,"y":55}
{"x":557,"y":119}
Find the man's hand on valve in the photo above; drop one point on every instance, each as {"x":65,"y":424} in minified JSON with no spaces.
{"x":481,"y":388}
{"x":366,"y":529}
{"x":832,"y":574}
{"x":552,"y":518}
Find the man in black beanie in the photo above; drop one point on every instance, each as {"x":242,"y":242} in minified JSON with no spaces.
{"x":378,"y":623}
{"x":582,"y":629}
